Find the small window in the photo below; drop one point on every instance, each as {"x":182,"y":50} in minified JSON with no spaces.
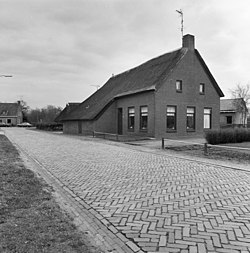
{"x":171,"y":118}
{"x":131,"y":118}
{"x":190,"y":118}
{"x":144,"y":118}
{"x":229,"y":120}
{"x":207,"y":118}
{"x":9,"y":121}
{"x":202,"y":88}
{"x":178,"y":85}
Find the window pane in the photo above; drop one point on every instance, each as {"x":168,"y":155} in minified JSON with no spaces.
{"x":144,"y":122}
{"x":144,"y":109}
{"x":190,"y":110}
{"x":206,"y":121}
{"x":171,"y":118}
{"x":207,"y":117}
{"x":171,"y":122}
{"x":144,"y":118}
{"x":178,"y":85}
{"x":207,"y":111}
{"x":131,"y":122}
{"x":131,"y":118}
{"x":190,"y":118}
{"x":171,"y":109}
{"x":131,"y":110}
{"x":190,"y":122}
{"x":202,"y":87}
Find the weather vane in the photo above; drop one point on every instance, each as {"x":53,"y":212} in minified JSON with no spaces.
{"x":181,"y":14}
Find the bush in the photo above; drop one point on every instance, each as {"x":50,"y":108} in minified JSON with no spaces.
{"x":50,"y":126}
{"x":227,"y":136}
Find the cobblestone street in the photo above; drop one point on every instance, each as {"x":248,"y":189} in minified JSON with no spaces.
{"x":151,"y":202}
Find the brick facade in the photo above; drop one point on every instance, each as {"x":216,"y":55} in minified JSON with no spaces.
{"x":191,"y":73}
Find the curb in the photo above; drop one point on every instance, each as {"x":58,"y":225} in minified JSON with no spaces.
{"x":96,"y":228}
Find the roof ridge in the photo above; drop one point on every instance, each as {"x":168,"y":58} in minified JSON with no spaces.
{"x":145,"y":63}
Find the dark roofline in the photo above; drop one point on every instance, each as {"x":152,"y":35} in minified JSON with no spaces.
{"x":117,"y":97}
{"x":216,"y":86}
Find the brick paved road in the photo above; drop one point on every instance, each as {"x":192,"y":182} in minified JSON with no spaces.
{"x":154,"y":203}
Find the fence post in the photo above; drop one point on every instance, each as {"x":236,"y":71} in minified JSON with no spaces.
{"x":205,"y":149}
{"x":93,"y":134}
{"x":162,"y":143}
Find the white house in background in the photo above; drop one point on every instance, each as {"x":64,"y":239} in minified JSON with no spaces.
{"x":233,"y":112}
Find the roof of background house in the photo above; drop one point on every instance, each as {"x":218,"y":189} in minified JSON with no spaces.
{"x":69,"y":107}
{"x":227,"y":105}
{"x":8,"y":109}
{"x":147,"y":76}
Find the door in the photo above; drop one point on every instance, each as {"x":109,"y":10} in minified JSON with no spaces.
{"x":119,"y":117}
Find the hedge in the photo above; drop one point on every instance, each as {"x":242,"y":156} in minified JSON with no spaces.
{"x":50,"y":126}
{"x":236,"y":135}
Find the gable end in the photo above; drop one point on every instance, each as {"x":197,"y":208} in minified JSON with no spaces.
{"x":210,"y":76}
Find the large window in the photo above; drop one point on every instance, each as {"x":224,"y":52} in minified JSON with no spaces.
{"x":207,"y":118}
{"x":131,"y":118}
{"x":190,"y":118}
{"x":178,"y":85}
{"x":143,"y":117}
{"x":171,"y":118}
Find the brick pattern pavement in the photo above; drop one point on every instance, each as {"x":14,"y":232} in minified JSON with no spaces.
{"x":152,"y":203}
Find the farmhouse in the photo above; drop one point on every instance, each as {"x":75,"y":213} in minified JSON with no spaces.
{"x":11,"y":113}
{"x":174,"y":94}
{"x":233,"y":112}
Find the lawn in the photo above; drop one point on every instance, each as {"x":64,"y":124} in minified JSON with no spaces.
{"x":30,"y":219}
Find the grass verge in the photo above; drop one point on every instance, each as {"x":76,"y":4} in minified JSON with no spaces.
{"x":215,"y":153}
{"x":30,"y":219}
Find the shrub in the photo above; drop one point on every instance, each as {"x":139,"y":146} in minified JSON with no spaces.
{"x":227,"y":136}
{"x":50,"y":126}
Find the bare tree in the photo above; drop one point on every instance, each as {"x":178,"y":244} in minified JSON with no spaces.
{"x":44,"y":115}
{"x":25,"y":109}
{"x":241,"y":94}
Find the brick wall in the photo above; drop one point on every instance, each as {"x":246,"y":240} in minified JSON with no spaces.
{"x":192,"y":74}
{"x":136,"y":101}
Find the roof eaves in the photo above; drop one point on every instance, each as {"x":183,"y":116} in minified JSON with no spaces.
{"x":128,"y":93}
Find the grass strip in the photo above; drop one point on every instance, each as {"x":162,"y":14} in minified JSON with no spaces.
{"x":30,"y":219}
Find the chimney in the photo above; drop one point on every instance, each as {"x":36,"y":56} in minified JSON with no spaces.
{"x":188,"y":41}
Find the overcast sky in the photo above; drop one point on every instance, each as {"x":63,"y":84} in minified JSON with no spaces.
{"x":58,"y":51}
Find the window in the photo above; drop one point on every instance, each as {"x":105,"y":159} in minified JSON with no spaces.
{"x":229,"y":120}
{"x":202,"y":88}
{"x":207,"y":118}
{"x":143,"y":117}
{"x":171,"y":118}
{"x":178,"y":85}
{"x":131,"y":118}
{"x":190,"y":118}
{"x":9,"y":121}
